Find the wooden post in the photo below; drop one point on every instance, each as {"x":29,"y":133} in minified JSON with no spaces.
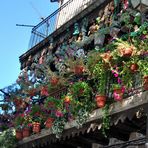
{"x":146,"y":144}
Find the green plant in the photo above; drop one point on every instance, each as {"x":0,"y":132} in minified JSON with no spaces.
{"x":80,"y":89}
{"x":116,"y":86}
{"x":143,"y":66}
{"x":19,"y":121}
{"x":7,"y":139}
{"x":83,"y":115}
{"x":52,"y":103}
{"x":105,"y":120}
{"x":36,"y":113}
{"x":58,"y":126}
{"x":100,"y":74}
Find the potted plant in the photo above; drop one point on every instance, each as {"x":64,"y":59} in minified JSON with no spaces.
{"x":18,"y":126}
{"x":100,"y":75}
{"x":52,"y":104}
{"x":36,"y":114}
{"x":124,"y":48}
{"x":27,"y":125}
{"x":49,"y":122}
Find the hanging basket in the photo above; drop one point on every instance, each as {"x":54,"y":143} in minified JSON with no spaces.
{"x":126,"y":52}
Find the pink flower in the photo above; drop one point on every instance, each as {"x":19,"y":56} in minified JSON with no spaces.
{"x":119,"y":81}
{"x":117,"y":96}
{"x":123,"y":89}
{"x":116,"y":75}
{"x":59,"y":113}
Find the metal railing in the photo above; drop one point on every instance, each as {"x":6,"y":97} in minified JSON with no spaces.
{"x":62,"y":15}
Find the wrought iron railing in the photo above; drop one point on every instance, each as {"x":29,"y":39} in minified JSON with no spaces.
{"x":62,"y":15}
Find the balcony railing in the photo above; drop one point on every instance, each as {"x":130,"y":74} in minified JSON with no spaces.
{"x":62,"y":15}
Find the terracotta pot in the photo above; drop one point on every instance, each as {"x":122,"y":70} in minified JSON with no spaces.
{"x":145,"y":82}
{"x":36,"y":127}
{"x":78,"y":69}
{"x":118,"y":94}
{"x":126,"y":52}
{"x":49,"y":122}
{"x":100,"y":100}
{"x":26,"y":132}
{"x":134,"y":67}
{"x":19,"y":134}
{"x":54,"y":81}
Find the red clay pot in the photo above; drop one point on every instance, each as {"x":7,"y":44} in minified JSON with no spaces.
{"x":126,"y":52}
{"x":26,"y":132}
{"x":100,"y":100}
{"x":19,"y":134}
{"x":134,"y":67}
{"x":118,"y":94}
{"x":49,"y":122}
{"x":36,"y":127}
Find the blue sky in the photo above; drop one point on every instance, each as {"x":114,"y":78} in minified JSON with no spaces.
{"x":14,"y":40}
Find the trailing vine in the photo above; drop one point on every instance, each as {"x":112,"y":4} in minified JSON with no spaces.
{"x":105,"y":120}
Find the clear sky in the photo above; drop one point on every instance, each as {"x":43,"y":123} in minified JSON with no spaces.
{"x":14,"y":40}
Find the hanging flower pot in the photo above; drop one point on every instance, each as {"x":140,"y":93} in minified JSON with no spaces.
{"x":79,"y":69}
{"x":118,"y":94}
{"x":19,"y":134}
{"x":36,"y":127}
{"x":145,"y":82}
{"x":134,"y":67}
{"x":26,"y":132}
{"x":49,"y":122}
{"x":100,"y":100}
{"x":54,"y":81}
{"x":126,"y":52}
